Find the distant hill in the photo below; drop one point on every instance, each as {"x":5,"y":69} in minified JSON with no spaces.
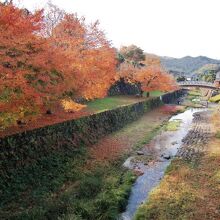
{"x":188,"y":66}
{"x":207,"y":69}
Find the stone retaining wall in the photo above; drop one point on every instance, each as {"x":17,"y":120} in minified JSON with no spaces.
{"x":172,"y":97}
{"x":21,"y":149}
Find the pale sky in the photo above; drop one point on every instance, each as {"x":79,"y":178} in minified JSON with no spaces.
{"x":173,"y":28}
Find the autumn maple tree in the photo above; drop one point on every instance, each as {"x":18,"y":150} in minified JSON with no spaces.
{"x":49,"y":57}
{"x":149,"y":74}
{"x":20,"y":51}
{"x":41,"y":58}
{"x":154,"y":78}
{"x":90,"y":61}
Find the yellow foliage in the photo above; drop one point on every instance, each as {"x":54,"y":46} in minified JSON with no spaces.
{"x":215,"y":98}
{"x":70,"y":106}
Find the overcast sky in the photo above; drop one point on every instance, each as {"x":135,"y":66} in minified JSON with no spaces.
{"x":173,"y":28}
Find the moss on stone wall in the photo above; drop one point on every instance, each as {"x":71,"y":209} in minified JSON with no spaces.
{"x":23,"y":148}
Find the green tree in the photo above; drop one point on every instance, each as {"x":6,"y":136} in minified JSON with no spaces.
{"x":132,"y":53}
{"x":181,"y":78}
{"x":208,"y":77}
{"x":120,"y":58}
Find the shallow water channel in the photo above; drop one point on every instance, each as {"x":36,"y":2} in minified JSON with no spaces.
{"x":164,"y":146}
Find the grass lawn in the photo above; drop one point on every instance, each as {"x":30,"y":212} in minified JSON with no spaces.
{"x":108,"y":103}
{"x":154,"y":93}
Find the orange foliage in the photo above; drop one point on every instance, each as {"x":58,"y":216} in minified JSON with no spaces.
{"x":27,"y":64}
{"x":37,"y":68}
{"x":151,"y":76}
{"x":91,"y":60}
{"x":127,"y":71}
{"x":43,"y":59}
{"x":154,"y":78}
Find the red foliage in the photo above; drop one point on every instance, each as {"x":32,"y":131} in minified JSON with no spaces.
{"x":36,"y":69}
{"x":27,"y":67}
{"x":152,"y":76}
{"x":155,"y":78}
{"x":91,"y":60}
{"x":168,"y":109}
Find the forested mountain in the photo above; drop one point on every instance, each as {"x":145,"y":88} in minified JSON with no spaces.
{"x":208,"y":68}
{"x":188,"y":64}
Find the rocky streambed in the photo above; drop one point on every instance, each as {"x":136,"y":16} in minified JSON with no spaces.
{"x":151,"y":162}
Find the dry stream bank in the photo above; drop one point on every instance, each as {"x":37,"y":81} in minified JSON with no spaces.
{"x":161,"y":150}
{"x":190,"y":188}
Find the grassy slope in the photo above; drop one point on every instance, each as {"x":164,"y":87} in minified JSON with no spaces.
{"x":156,"y":93}
{"x":62,"y":185}
{"x":189,"y":190}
